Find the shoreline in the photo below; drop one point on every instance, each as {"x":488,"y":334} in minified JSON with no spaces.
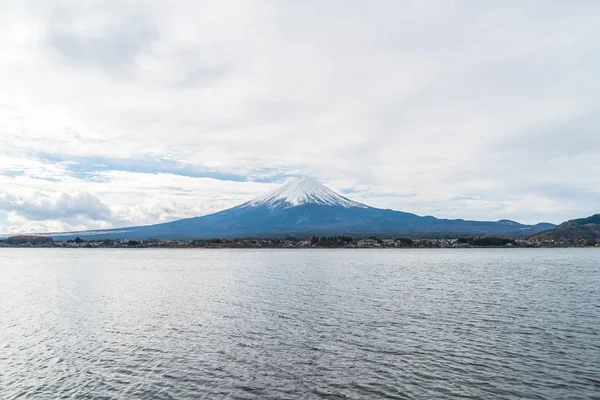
{"x":290,"y":248}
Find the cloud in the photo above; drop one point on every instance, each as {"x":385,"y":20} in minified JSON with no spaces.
{"x":44,"y":208}
{"x":112,"y":48}
{"x":197,"y":105}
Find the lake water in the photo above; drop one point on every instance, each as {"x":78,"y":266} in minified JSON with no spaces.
{"x":299,"y":324}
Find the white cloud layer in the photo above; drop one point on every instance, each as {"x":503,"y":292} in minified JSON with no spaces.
{"x":133,"y":112}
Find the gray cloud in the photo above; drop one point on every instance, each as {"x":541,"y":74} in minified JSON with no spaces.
{"x":114,"y":49}
{"x":65,"y":206}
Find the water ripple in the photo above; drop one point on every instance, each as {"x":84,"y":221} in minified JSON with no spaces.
{"x":315,"y":324}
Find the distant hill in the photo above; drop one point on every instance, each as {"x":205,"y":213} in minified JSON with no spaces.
{"x":304,"y":208}
{"x":582,"y":228}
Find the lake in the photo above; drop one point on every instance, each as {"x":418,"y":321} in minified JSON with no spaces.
{"x":299,"y":324}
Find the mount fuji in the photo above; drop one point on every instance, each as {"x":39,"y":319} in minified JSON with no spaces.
{"x":305,"y":207}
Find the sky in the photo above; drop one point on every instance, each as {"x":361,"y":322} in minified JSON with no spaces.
{"x":121,"y":112}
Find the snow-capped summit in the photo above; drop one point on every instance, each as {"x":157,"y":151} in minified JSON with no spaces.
{"x":303,"y":191}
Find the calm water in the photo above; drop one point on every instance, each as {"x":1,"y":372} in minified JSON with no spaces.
{"x":309,"y":324}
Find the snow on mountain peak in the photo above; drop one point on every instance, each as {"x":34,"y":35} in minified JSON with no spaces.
{"x":302,"y":191}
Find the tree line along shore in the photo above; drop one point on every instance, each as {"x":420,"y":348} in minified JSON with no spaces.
{"x":304,"y":242}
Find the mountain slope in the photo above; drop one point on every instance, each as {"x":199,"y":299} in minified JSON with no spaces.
{"x":305,"y":207}
{"x":582,"y":228}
